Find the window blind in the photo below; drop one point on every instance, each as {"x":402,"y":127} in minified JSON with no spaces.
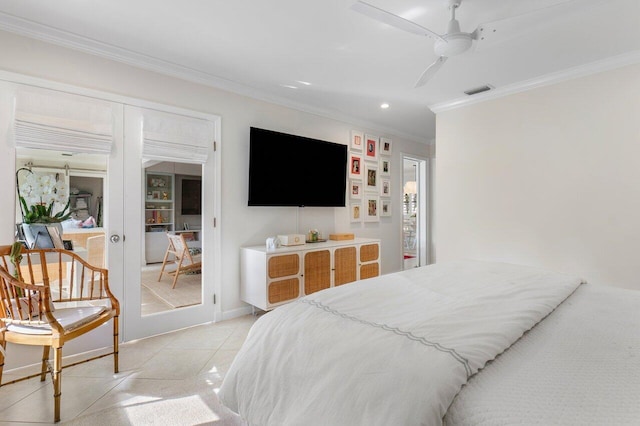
{"x":46,"y":119}
{"x":173,"y":137}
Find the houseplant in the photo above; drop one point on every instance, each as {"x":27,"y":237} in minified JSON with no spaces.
{"x":38,"y":196}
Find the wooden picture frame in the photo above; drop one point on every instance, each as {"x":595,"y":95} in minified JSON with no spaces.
{"x":355,"y":212}
{"x":385,"y":208}
{"x":355,"y":189}
{"x":357,"y":141}
{"x":371,"y":209}
{"x":385,"y":188}
{"x":371,"y":178}
{"x":386,"y":145}
{"x":385,"y":166}
{"x":355,"y":166}
{"x":371,"y":148}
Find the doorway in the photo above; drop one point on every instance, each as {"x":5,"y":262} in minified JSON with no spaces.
{"x":415,"y":212}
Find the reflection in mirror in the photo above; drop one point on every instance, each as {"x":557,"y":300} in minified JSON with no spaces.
{"x":409,"y":216}
{"x":171,"y":276}
{"x":79,"y":180}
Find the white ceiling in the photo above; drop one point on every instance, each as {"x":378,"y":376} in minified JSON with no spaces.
{"x":353,"y":63}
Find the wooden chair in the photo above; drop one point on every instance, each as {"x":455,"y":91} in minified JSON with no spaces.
{"x":34,"y":311}
{"x":183,"y":259}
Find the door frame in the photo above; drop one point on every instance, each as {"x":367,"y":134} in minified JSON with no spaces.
{"x":423,"y":220}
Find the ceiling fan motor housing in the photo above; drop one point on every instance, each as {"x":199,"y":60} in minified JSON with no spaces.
{"x":455,"y":42}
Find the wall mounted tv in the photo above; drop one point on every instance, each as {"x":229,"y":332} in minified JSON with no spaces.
{"x":191,"y":197}
{"x":288,"y":170}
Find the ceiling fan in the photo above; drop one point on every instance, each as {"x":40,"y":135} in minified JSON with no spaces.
{"x":453,"y":43}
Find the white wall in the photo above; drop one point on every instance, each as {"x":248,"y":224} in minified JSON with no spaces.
{"x":548,"y":177}
{"x":240,"y":224}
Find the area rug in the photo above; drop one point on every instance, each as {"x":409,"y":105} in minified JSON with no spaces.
{"x":188,"y":289}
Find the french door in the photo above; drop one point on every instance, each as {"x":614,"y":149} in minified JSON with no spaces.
{"x":139,"y":324}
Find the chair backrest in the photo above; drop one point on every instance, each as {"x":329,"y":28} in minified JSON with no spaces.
{"x":95,"y":250}
{"x":69,"y":277}
{"x":178,"y":246}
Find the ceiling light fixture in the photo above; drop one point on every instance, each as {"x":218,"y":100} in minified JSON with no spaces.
{"x":384,"y":105}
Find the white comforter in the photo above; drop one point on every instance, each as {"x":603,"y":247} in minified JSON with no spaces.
{"x":395,"y":349}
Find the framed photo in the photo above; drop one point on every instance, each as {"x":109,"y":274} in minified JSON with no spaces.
{"x":371,"y":178}
{"x":355,"y":212}
{"x":357,"y":139}
{"x":355,"y":166}
{"x":355,"y":189}
{"x":371,"y":205}
{"x":385,"y":188}
{"x":385,"y":208}
{"x":385,"y":146}
{"x":156,"y":195}
{"x":371,"y":147}
{"x":385,"y":166}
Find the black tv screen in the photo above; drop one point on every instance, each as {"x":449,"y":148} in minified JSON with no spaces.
{"x":288,"y":170}
{"x":191,"y":197}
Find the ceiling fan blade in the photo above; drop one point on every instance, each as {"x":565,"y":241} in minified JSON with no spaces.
{"x":393,"y":20}
{"x":431,"y":71}
{"x":492,"y":33}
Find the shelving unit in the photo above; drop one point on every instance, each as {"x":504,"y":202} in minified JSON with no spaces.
{"x":80,"y":205}
{"x":159,"y":215}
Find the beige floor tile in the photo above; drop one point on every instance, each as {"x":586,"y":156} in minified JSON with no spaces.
{"x":175,"y":364}
{"x":77,"y":394}
{"x":163,"y":380}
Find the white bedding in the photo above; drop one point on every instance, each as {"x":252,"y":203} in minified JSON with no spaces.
{"x":395,"y":349}
{"x":580,"y":366}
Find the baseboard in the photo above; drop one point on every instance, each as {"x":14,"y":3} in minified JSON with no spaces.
{"x":235,"y":313}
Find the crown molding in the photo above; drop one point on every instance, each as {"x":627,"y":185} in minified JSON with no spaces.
{"x":545,"y":80}
{"x":73,"y":41}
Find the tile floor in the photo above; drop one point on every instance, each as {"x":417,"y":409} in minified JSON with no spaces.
{"x":166,"y":380}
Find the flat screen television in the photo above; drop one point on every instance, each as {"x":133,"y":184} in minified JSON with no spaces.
{"x":288,"y":170}
{"x":191,"y":197}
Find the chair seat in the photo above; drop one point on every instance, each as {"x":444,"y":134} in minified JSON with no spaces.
{"x":69,"y":318}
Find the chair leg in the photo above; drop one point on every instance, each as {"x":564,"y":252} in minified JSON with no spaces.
{"x":45,"y":358}
{"x":177,"y":271}
{"x":57,"y":383}
{"x":164,"y":263}
{"x":3,"y":351}
{"x":115,"y":345}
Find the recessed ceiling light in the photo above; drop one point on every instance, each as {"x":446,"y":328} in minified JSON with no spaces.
{"x":384,"y":105}
{"x":306,"y":83}
{"x":288,"y":86}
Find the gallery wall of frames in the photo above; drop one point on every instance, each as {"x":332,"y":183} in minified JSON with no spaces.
{"x":369,"y":177}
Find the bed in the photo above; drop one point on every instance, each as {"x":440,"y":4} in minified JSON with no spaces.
{"x":460,"y":343}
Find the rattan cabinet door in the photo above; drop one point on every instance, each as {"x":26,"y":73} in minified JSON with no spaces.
{"x":284,"y":284}
{"x":369,"y":260}
{"x":317,"y":271}
{"x":345,"y":265}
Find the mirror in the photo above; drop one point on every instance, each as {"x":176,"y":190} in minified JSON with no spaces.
{"x":80,"y":179}
{"x":171,"y":276}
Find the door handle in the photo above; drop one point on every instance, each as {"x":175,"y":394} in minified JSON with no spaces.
{"x":115,"y":238}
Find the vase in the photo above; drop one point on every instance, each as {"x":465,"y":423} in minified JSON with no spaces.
{"x":43,"y":235}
